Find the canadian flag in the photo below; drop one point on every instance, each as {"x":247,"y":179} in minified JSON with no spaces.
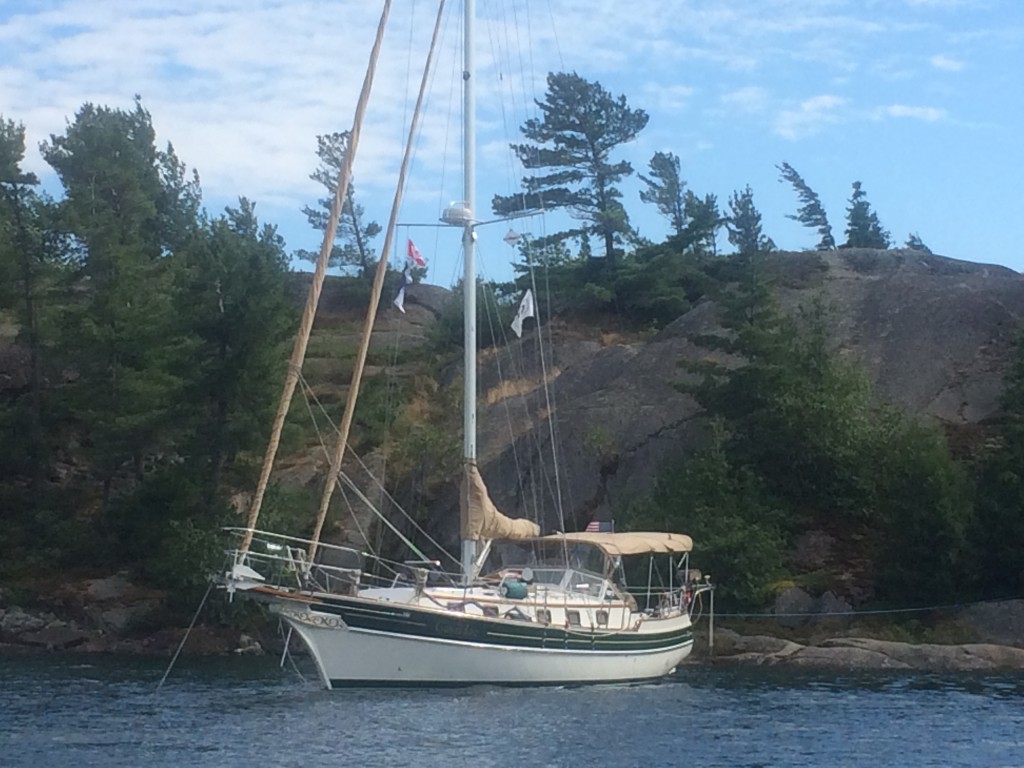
{"x":414,"y":255}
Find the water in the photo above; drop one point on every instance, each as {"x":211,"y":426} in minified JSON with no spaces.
{"x":82,"y":711}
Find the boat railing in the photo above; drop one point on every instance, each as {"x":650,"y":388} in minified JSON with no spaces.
{"x":281,"y":560}
{"x":659,"y":601}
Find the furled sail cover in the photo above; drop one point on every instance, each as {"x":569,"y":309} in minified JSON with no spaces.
{"x":481,"y":519}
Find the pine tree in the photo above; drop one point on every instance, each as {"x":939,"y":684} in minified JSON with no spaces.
{"x":703,"y":219}
{"x":811,"y":213}
{"x":352,"y":243}
{"x":915,"y":243}
{"x":999,"y":533}
{"x":582,"y":125}
{"x":128,"y":207}
{"x":744,"y":225}
{"x":21,"y":265}
{"x":666,"y":189}
{"x":863,"y":230}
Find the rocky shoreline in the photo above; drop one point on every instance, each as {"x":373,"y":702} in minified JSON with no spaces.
{"x":112,"y":615}
{"x":861,"y":653}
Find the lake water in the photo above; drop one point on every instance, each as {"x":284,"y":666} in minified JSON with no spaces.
{"x":83,"y":711}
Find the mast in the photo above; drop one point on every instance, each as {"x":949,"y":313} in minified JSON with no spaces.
{"x":469,"y":275}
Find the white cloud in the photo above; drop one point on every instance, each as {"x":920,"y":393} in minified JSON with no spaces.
{"x":946,"y":63}
{"x":809,"y":117}
{"x":749,"y":99}
{"x":658,"y":98}
{"x":928,"y":114}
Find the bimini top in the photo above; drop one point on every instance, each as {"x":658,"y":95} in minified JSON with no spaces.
{"x":631,"y":543}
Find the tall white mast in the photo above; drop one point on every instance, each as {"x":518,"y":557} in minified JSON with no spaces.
{"x":469,"y":251}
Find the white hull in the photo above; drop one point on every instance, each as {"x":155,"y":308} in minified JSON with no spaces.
{"x":352,"y":656}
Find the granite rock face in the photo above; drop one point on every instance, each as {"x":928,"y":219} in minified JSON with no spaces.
{"x":934,"y":334}
{"x":858,"y":653}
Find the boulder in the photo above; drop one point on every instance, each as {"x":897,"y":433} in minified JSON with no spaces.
{"x":1000,"y":621}
{"x":832,"y":613}
{"x":866,"y":653}
{"x":55,"y":638}
{"x":793,"y":607}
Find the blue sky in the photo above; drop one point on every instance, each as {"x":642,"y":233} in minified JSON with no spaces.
{"x":920,"y":100}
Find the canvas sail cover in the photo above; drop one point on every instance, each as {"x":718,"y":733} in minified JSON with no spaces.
{"x":481,"y":519}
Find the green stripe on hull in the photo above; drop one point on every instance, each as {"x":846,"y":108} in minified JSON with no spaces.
{"x":429,"y":624}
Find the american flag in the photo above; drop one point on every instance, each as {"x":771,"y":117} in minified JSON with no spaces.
{"x":600,"y":526}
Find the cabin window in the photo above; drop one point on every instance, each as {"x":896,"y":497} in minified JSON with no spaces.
{"x":573,"y":617}
{"x":543,"y":616}
{"x":602,"y":618}
{"x":460,"y":607}
{"x":491,"y":611}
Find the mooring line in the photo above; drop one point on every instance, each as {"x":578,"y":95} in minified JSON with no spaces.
{"x":183,"y":639}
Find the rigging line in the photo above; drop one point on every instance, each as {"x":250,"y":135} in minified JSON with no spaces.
{"x":309,"y":393}
{"x":346,"y":480}
{"x":543,"y":479}
{"x":291,"y":659}
{"x":355,"y":520}
{"x":185,"y":637}
{"x":406,"y":515}
{"x":519,"y":368}
{"x":378,"y":283}
{"x":453,"y":91}
{"x":556,"y":436}
{"x":490,"y":302}
{"x":519,"y":48}
{"x":511,"y":171}
{"x":554,"y":32}
{"x":306,"y":324}
{"x":549,"y":401}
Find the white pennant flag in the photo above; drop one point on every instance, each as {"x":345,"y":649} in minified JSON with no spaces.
{"x":400,"y":296}
{"x":525,"y":310}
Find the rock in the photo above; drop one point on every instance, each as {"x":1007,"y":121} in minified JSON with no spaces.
{"x":765,"y":644}
{"x":999,"y":622}
{"x":793,"y":607}
{"x":114,"y":587}
{"x":17,"y":622}
{"x":832,"y":613}
{"x":938,"y":658}
{"x":866,"y":653}
{"x":248,"y":646}
{"x":56,"y":638}
{"x":121,"y":617}
{"x":842,"y":657}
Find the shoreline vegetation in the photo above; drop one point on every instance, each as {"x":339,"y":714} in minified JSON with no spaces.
{"x":839,"y":429}
{"x":114,"y":616}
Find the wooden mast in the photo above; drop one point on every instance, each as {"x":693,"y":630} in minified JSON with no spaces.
{"x":338,"y":453}
{"x":306,"y":325}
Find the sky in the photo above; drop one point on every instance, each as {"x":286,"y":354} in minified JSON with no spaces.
{"x":920,"y":100}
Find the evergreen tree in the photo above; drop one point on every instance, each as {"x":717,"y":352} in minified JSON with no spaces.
{"x":728,"y":511}
{"x":666,"y":189}
{"x":863,"y":230}
{"x":999,"y":533}
{"x":352,"y":243}
{"x":582,"y":125}
{"x":703,"y":220}
{"x":237,"y":306}
{"x":744,"y":225}
{"x":915,"y":243}
{"x":21,"y":265}
{"x":127,"y":206}
{"x":233,"y":306}
{"x":811,"y":213}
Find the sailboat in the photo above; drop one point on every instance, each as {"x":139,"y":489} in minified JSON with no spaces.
{"x":526,"y":608}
